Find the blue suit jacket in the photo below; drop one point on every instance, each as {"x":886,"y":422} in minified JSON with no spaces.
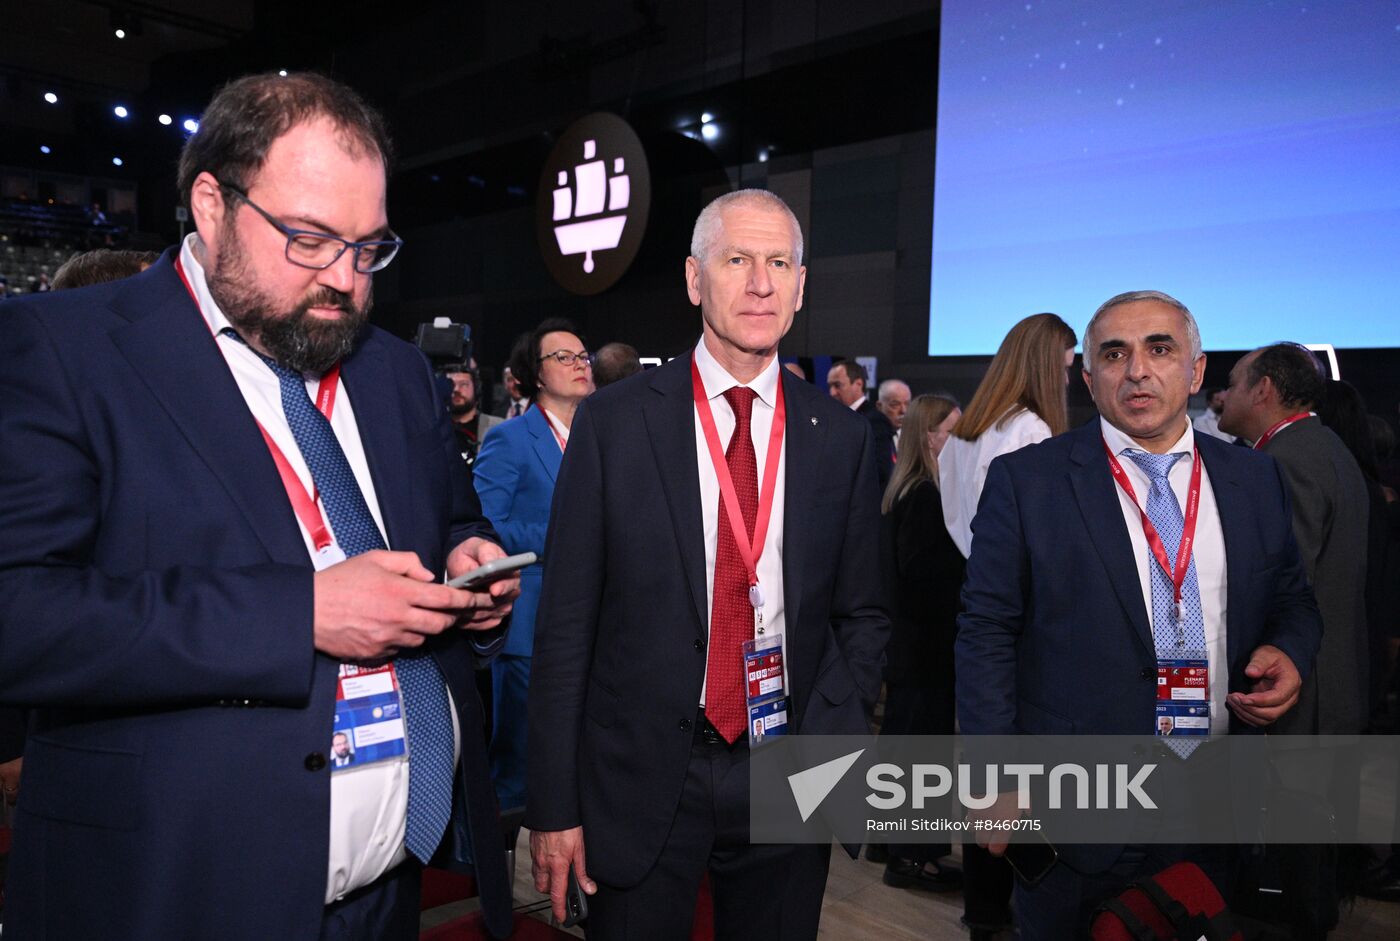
{"x":156,"y":612}
{"x":515,"y":474}
{"x":620,"y":651}
{"x":1055,"y":637}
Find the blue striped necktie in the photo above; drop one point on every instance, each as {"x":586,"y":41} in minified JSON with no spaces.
{"x":427,"y":712}
{"x":1172,"y":643}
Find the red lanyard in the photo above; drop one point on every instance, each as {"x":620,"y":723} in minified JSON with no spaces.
{"x":749,"y":552}
{"x":1264,"y":438}
{"x":1154,"y":541}
{"x":303,"y":503}
{"x":563,"y":442}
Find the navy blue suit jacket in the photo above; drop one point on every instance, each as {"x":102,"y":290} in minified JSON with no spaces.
{"x":156,"y":612}
{"x":514,"y":476}
{"x":620,"y":641}
{"x":1055,"y":637}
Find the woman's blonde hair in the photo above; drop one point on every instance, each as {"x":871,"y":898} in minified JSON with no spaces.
{"x":915,"y":463}
{"x":1027,"y":374}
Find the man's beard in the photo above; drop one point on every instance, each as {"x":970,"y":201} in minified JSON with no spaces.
{"x":466,"y":408}
{"x":295,"y":339}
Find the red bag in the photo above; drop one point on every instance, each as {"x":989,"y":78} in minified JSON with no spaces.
{"x":1179,"y":903}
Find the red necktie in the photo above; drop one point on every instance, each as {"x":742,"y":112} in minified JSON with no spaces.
{"x":731,"y":615}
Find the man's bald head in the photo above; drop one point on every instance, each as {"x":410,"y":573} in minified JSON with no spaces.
{"x":613,"y":362}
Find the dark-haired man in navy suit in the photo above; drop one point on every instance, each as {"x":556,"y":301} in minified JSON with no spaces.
{"x":639,"y":737}
{"x":1068,"y":611}
{"x":203,"y":571}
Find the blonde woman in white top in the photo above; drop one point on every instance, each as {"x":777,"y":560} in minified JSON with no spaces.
{"x":1020,"y":401}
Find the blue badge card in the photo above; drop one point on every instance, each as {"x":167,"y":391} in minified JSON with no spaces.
{"x":368,"y":717}
{"x":1183,"y":696}
{"x":765,"y":687}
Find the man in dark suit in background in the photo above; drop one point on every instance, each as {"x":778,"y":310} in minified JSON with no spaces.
{"x":1270,"y":402}
{"x":637,"y":712}
{"x":846,"y":382}
{"x":1068,"y":615}
{"x":180,"y":612}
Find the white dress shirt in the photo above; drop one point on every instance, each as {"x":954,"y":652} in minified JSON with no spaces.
{"x":1208,"y":552}
{"x":856,"y":405}
{"x":962,"y":468}
{"x":770,"y":565}
{"x":369,"y":806}
{"x":561,"y":430}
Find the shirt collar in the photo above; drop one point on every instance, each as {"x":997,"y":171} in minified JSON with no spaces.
{"x":858,"y":403}
{"x":199,"y":284}
{"x":717,"y":380}
{"x":1118,"y":441}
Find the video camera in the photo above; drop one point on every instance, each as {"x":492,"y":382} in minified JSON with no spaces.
{"x":445,"y":343}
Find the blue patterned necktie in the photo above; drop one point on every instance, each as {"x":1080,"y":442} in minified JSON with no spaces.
{"x":427,"y":712}
{"x":1173,"y":642}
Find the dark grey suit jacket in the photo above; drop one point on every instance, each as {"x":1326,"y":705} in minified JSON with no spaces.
{"x":1330,"y":518}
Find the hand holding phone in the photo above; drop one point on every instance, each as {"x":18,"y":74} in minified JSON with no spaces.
{"x":488,"y":572}
{"x":575,"y":901}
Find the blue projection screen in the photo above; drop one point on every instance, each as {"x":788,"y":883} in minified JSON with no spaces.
{"x":1242,"y":156}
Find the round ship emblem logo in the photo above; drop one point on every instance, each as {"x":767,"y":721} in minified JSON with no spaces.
{"x":592,"y":205}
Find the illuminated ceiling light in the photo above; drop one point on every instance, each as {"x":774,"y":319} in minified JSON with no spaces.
{"x":124,"y":24}
{"x":120,"y":111}
{"x":165,"y":119}
{"x":282,"y":72}
{"x":116,"y":161}
{"x":44,"y":149}
{"x":709,"y":131}
{"x":763,"y":155}
{"x":50,"y":97}
{"x":190,"y":125}
{"x":706,"y":118}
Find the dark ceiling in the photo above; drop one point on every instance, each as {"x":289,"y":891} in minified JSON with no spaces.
{"x":474,"y":91}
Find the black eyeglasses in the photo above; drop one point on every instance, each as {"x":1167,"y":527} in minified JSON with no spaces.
{"x":319,"y":250}
{"x":566,"y":358}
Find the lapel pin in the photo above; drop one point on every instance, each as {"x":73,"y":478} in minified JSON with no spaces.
{"x":814,"y":420}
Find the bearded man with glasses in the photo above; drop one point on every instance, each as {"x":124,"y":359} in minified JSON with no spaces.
{"x":224,"y":550}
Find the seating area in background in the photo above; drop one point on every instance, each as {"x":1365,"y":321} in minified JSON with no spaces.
{"x":37,"y":236}
{"x":21,"y":266}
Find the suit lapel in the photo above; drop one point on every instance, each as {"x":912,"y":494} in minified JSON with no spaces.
{"x":543,"y":441}
{"x":669,"y":413}
{"x":170,"y":347}
{"x":803,"y":442}
{"x":1098,"y":504}
{"x":1234,"y":525}
{"x":374,"y":394}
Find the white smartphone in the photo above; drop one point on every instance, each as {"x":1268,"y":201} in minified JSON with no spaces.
{"x":493,"y":571}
